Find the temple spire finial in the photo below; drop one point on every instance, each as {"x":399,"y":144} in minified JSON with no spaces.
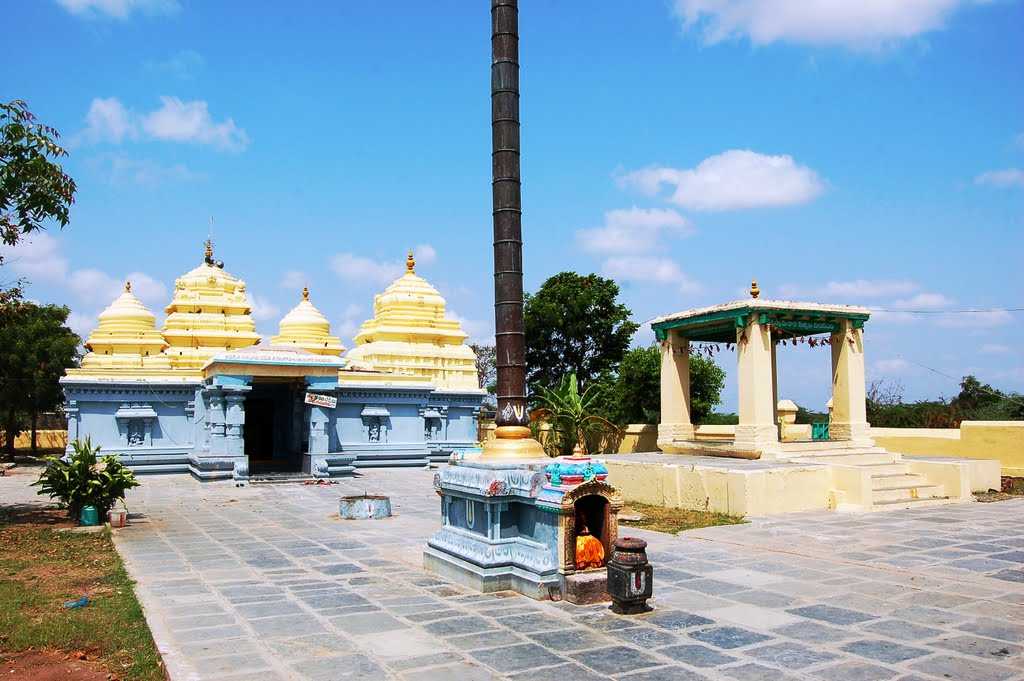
{"x":127,"y":287}
{"x":208,"y":252}
{"x":754,"y":290}
{"x":305,"y":293}
{"x":410,"y":262}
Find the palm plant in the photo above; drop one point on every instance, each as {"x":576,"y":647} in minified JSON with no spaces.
{"x":85,"y":479}
{"x":570,"y":417}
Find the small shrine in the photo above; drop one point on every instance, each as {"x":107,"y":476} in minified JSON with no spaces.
{"x":755,"y":328}
{"x":540,"y":527}
{"x":203,"y":395}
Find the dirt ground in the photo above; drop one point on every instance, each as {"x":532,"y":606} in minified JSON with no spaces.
{"x":49,"y":665}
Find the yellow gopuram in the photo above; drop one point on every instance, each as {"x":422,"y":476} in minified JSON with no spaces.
{"x":410,"y":340}
{"x":125,"y":340}
{"x":307,"y":328}
{"x":209,"y":313}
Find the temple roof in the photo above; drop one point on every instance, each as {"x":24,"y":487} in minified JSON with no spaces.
{"x":125,"y":338}
{"x":210,"y":311}
{"x":410,"y":336}
{"x":718,"y":323}
{"x":306,"y":327}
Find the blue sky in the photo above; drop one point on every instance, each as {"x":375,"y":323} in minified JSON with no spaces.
{"x":866,"y":153}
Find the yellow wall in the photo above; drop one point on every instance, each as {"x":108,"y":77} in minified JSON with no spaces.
{"x":1003,"y":440}
{"x":45,"y":439}
{"x":720,"y":490}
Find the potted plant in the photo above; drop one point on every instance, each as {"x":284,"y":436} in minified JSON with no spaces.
{"x":84,"y":479}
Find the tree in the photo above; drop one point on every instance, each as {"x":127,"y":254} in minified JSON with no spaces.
{"x":32,"y":187}
{"x":37,"y":348}
{"x":635,"y":395}
{"x":486,"y":367}
{"x":575,"y":325}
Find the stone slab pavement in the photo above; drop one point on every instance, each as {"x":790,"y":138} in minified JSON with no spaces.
{"x":266,"y":582}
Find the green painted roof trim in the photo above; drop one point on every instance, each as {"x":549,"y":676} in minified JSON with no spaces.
{"x":721,"y":326}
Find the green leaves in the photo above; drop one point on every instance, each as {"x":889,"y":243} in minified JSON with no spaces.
{"x":33,"y":188}
{"x":85,"y":480}
{"x":575,"y":325}
{"x":571,"y":418}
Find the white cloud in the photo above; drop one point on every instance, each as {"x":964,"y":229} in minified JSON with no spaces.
{"x":868,"y":288}
{"x":995,"y":349}
{"x":82,"y":323}
{"x":733,"y":180}
{"x":351,"y":319}
{"x":109,"y":120}
{"x":425,"y":254}
{"x":351,"y":267}
{"x":263,"y":309}
{"x":923,"y":301}
{"x":100,"y":288}
{"x":1010,"y":177}
{"x":40,"y":259}
{"x":118,"y":9}
{"x":855,"y":24}
{"x":121,"y":170}
{"x":649,"y":269}
{"x":633,"y":230}
{"x":480,"y":331}
{"x":294,"y":280}
{"x":37,"y":258}
{"x":891,"y":366}
{"x":981,"y":319}
{"x":179,"y":121}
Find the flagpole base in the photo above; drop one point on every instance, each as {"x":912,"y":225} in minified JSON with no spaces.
{"x":512,"y":442}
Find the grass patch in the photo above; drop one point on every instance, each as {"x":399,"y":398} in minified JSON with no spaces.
{"x":673,"y":520}
{"x":41,"y":568}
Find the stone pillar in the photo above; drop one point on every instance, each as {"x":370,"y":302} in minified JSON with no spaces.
{"x":757,"y":429}
{"x":675,"y":390}
{"x":218,"y":426}
{"x":775,"y":385}
{"x":318,"y":439}
{"x":235,"y":423}
{"x":849,"y":419}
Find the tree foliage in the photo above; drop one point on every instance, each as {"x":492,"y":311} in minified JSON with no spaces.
{"x":33,"y":188}
{"x":37,"y":348}
{"x":976,"y":401}
{"x":575,"y":325}
{"x":634,"y":395}
{"x":486,"y":367}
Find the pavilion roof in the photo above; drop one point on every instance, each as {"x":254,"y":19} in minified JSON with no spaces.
{"x":718,"y":323}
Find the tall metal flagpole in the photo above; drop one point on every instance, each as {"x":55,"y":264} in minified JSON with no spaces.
{"x":512,"y":435}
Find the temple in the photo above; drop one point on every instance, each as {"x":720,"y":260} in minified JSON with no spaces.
{"x":204,"y":395}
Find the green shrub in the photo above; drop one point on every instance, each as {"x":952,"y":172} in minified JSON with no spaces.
{"x":86,"y":480}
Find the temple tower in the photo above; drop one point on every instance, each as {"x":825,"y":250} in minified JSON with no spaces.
{"x":409,"y":339}
{"x":125,"y":340}
{"x":210,"y":313}
{"x":307,"y":328}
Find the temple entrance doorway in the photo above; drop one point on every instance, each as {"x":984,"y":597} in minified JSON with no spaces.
{"x":274,"y":413}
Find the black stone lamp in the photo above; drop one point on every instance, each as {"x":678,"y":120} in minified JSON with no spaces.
{"x":630,"y":577}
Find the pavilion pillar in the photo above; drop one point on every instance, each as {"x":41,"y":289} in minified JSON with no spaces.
{"x":675,"y":390}
{"x":775,"y":385}
{"x":849,"y":419}
{"x":757,"y":430}
{"x":218,"y":425}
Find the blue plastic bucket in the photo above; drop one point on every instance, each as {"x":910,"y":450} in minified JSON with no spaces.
{"x":89,"y":516}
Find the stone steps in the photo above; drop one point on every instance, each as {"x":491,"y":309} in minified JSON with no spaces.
{"x":384,"y":461}
{"x":850,"y":458}
{"x":908,"y":493}
{"x":822,"y":446}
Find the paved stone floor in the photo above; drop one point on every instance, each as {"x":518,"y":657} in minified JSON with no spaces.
{"x":267,"y":583}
